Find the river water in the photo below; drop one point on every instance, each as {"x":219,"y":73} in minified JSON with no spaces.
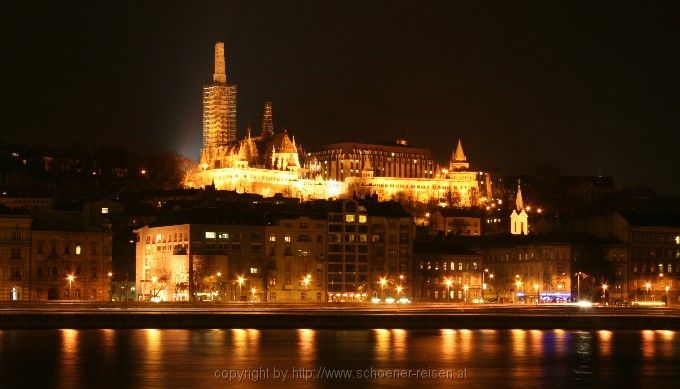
{"x":307,"y":358}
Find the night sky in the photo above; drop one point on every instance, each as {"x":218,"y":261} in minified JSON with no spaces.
{"x":589,"y":88}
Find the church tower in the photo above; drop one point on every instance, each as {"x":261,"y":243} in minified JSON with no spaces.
{"x":219,"y":110}
{"x":458,"y":159}
{"x":267,"y":120}
{"x":519,"y":220}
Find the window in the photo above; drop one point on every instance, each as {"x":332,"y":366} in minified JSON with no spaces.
{"x":105,"y":210}
{"x":15,"y":235}
{"x":16,"y":273}
{"x":78,"y":250}
{"x":253,"y":270}
{"x":16,"y":253}
{"x":210,"y":235}
{"x":362,"y":218}
{"x":349,"y":218}
{"x":222,"y":235}
{"x":272,"y":238}
{"x":286,"y":238}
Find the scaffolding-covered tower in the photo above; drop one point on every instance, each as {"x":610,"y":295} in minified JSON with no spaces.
{"x":219,"y":109}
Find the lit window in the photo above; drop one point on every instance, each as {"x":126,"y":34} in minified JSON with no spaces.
{"x":272,"y":238}
{"x":349,"y":218}
{"x":253,"y":270}
{"x":78,"y":250}
{"x":222,"y":235}
{"x":362,"y":218}
{"x":287,"y":238}
{"x":158,"y":238}
{"x":210,"y":235}
{"x":105,"y":210}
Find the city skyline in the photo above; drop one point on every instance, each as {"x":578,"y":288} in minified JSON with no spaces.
{"x":591,"y":100}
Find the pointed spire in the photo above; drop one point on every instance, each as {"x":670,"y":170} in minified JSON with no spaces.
{"x":220,"y":75}
{"x":267,"y":119}
{"x":519,"y":203}
{"x":459,"y":154}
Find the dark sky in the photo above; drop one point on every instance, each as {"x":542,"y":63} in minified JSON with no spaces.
{"x":585,"y":86}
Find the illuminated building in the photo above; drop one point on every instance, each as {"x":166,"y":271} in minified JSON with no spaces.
{"x":280,"y":255}
{"x":53,"y":255}
{"x":272,"y":162}
{"x":519,"y":220}
{"x":442,"y":270}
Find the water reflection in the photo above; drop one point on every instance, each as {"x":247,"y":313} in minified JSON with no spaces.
{"x":382,"y":344}
{"x":605,"y":342}
{"x":399,"y":345}
{"x":306,"y":345}
{"x":448,"y":344}
{"x":648,"y":345}
{"x":187,"y":358}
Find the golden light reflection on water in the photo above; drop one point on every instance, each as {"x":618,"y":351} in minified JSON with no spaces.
{"x":154,"y":344}
{"x":665,"y":343}
{"x":399,"y":343}
{"x":69,"y":355}
{"x":560,"y":341}
{"x":605,"y":342}
{"x":536,"y":346}
{"x":382,"y":344}
{"x":245,"y":343}
{"x":648,"y":345}
{"x":489,"y":342}
{"x":307,"y":345}
{"x":519,"y":344}
{"x":465,"y":343}
{"x":109,"y":341}
{"x":448,"y":344}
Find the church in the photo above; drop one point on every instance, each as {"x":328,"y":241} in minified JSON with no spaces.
{"x":271,"y":162}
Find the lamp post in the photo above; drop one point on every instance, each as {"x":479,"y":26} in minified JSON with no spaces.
{"x":306,"y":280}
{"x":153,"y":287}
{"x":667,"y":288}
{"x":538,"y":296}
{"x":484,"y":283}
{"x":383,"y":282}
{"x":70,"y":281}
{"x":465,"y":292}
{"x":648,"y":285}
{"x":448,"y":283}
{"x":110,"y":275}
{"x":604,"y":292}
{"x":240,"y":281}
{"x":578,"y":286}
{"x":253,"y":291}
{"x":399,"y":289}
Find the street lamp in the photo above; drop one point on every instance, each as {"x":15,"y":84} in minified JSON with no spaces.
{"x":253,"y":291}
{"x":578,"y":284}
{"x":538,"y":297}
{"x":70,"y":281}
{"x":648,"y":285}
{"x":110,"y":275}
{"x":448,"y":283}
{"x":153,"y":287}
{"x":604,"y":291}
{"x":240,"y":280}
{"x":518,"y":284}
{"x":383,"y":282}
{"x":484,"y":283}
{"x":306,"y":280}
{"x":399,"y":289}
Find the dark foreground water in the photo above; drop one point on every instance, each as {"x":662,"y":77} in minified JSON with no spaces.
{"x":325,"y":358}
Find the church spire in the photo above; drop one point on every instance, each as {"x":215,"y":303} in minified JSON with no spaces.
{"x":220,"y":75}
{"x":458,"y":158}
{"x":267,"y":120}
{"x":459,"y":154}
{"x":519,"y":203}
